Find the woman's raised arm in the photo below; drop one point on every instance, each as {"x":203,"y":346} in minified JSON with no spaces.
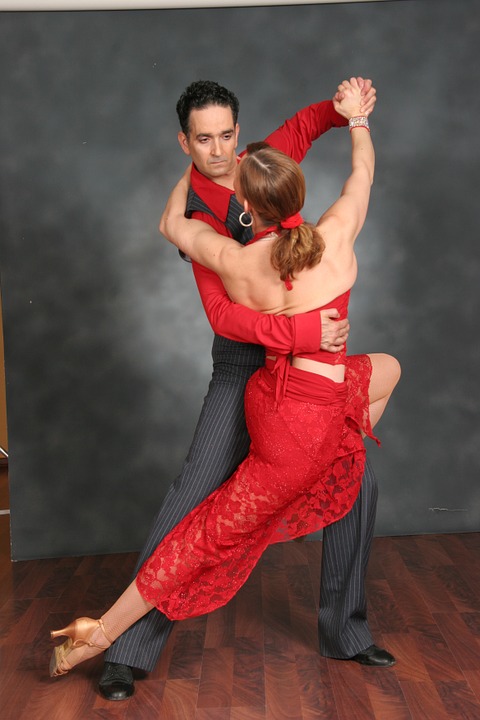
{"x":345,"y":218}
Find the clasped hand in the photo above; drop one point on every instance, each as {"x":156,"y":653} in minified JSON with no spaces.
{"x":354,"y":97}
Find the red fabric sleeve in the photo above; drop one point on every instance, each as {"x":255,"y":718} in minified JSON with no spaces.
{"x":214,"y":223}
{"x":280,"y":334}
{"x":296,"y":135}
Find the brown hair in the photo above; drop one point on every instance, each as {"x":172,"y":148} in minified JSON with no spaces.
{"x":274,"y":186}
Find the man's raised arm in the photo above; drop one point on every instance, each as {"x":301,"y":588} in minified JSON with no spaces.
{"x":296,"y":135}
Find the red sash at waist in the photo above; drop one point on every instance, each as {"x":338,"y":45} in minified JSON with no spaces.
{"x":301,"y":385}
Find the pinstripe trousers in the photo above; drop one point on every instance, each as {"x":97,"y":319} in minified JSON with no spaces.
{"x":219,"y":445}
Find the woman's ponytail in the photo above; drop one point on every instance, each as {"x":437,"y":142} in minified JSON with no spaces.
{"x":296,"y":249}
{"x":274,"y":186}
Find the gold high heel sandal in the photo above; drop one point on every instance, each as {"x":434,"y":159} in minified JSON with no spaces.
{"x":78,"y":633}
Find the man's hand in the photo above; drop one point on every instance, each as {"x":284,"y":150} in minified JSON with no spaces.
{"x":369,"y":95}
{"x":334,"y":332}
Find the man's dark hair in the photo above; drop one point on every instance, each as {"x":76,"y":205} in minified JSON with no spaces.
{"x":200,"y":94}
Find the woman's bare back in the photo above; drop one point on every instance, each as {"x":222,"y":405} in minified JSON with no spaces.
{"x":258,"y":285}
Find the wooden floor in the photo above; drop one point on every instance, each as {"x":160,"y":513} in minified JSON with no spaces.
{"x":257,"y":658}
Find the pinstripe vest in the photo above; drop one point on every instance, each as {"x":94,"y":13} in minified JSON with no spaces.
{"x":232,"y":359}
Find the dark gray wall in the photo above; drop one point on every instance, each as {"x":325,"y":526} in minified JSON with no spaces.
{"x":107,"y":348}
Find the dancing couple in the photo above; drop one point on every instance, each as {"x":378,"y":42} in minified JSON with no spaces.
{"x":307,"y":411}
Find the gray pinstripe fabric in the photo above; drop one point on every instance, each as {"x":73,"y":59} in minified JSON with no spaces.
{"x":342,"y":619}
{"x":238,"y":231}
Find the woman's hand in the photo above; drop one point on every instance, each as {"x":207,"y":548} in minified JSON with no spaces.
{"x":355,"y":97}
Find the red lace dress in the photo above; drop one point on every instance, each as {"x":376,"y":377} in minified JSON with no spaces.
{"x":303,"y":472}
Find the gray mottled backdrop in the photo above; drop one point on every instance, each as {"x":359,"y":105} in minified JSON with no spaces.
{"x":107,"y":348}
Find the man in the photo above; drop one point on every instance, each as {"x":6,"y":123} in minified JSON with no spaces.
{"x":208,"y":117}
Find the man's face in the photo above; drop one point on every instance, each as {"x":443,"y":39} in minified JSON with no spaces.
{"x":212,"y":141}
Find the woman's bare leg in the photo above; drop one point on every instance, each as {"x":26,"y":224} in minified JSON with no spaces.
{"x":386,"y":373}
{"x":129,"y":608}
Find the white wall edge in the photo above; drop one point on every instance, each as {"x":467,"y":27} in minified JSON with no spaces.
{"x":40,"y":5}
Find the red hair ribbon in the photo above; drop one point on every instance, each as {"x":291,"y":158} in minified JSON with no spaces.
{"x":292,"y":222}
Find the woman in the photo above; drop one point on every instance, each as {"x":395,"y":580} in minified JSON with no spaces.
{"x":306,"y":415}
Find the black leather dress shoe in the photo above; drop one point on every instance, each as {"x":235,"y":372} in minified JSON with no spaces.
{"x":116,"y":682}
{"x":375,"y":657}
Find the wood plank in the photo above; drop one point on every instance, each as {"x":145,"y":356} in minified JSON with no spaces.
{"x":413,"y":608}
{"x":384,"y":606}
{"x":246,"y":713}
{"x":179,"y":699}
{"x":249,"y":609}
{"x":248,"y":689}
{"x":187,"y":654}
{"x":282,"y":688}
{"x":458,"y":699}
{"x":303,"y":610}
{"x":146,"y":703}
{"x":216,"y":681}
{"x":473,"y":679}
{"x":386,"y":695}
{"x":464,"y":646}
{"x":350,"y":691}
{"x":410,"y":664}
{"x":437,"y":656}
{"x":257,"y":658}
{"x":315,"y":686}
{"x":423,"y":700}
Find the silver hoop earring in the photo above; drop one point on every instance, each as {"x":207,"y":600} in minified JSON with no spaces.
{"x":242,"y":221}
